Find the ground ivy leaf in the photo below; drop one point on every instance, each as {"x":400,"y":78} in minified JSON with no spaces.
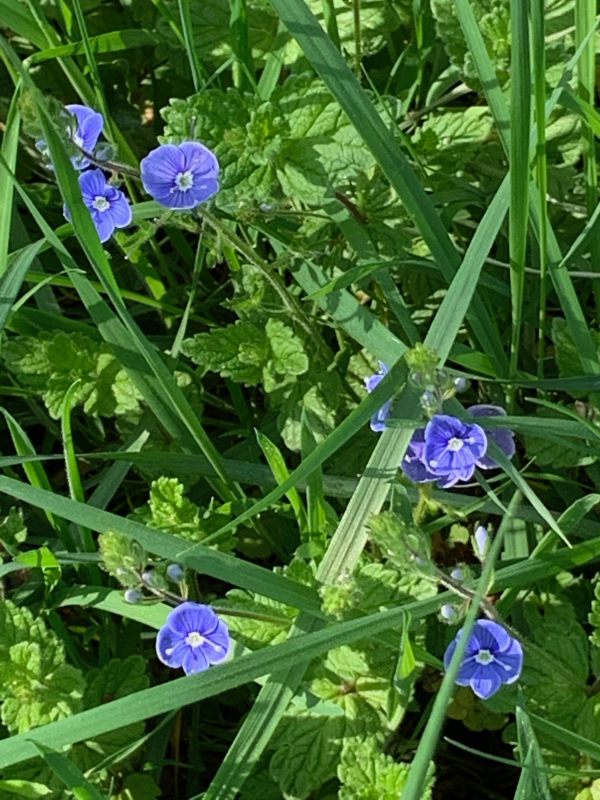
{"x":50,"y":363}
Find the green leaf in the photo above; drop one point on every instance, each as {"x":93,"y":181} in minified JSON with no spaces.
{"x":50,"y":363}
{"x":12,"y":530}
{"x":368,"y":774}
{"x":21,"y":788}
{"x":40,"y":690}
{"x":237,"y":351}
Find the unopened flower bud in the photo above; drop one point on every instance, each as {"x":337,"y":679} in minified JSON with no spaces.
{"x":132,"y":596}
{"x":448,"y":613}
{"x":175,"y":573}
{"x":457,"y":575}
{"x":481,"y":542}
{"x":460,"y":384}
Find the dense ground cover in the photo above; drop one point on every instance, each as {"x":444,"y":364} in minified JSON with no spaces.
{"x":300,"y":371}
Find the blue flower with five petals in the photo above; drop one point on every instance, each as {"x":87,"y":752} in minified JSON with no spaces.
{"x":108,"y":205}
{"x":492,"y":658}
{"x":193,"y":637}
{"x":180,"y":176}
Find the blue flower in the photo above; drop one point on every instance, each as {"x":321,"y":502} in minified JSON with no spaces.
{"x":84,"y":128}
{"x":449,"y":449}
{"x":180,"y":176}
{"x":108,"y":206}
{"x":504,"y":438}
{"x":452,"y":449}
{"x":492,"y":657}
{"x":193,"y":637}
{"x":379,"y":419}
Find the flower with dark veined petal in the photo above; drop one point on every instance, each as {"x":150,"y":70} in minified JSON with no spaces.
{"x":452,"y":449}
{"x":492,"y":658}
{"x":379,"y":419}
{"x":180,"y":176}
{"x":108,"y":206}
{"x":504,"y":438}
{"x":83,"y":130}
{"x":193,"y":637}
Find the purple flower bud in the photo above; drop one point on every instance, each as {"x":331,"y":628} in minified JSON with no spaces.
{"x":481,"y":542}
{"x":175,"y":573}
{"x":460,"y":384}
{"x":132,"y":596}
{"x":457,"y":575}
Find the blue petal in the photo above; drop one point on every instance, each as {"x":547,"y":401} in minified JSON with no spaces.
{"x":491,"y":636}
{"x":192,"y":618}
{"x":217,"y":645}
{"x":379,"y":419}
{"x":90,"y":130}
{"x":170,"y":647}
{"x":194,"y":660}
{"x":93,"y":184}
{"x":485,"y":682}
{"x":201,"y":161}
{"x":120,"y":211}
{"x":511,"y":661}
{"x":104,"y":225}
{"x":373,"y":381}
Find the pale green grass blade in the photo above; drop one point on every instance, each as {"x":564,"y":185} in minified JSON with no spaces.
{"x":585,"y":22}
{"x":566,"y":737}
{"x":520,"y":127}
{"x":204,"y":560}
{"x":36,"y":474}
{"x":112,"y":42}
{"x":281,"y":473}
{"x":538,"y":54}
{"x":70,"y":774}
{"x":185,"y":16}
{"x":9,"y":148}
{"x":73,"y":477}
{"x":533,"y":782}
{"x":112,"y":601}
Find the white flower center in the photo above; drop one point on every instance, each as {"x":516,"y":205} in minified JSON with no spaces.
{"x":100,"y":203}
{"x":184,"y":181}
{"x":484,"y":657}
{"x":455,"y":444}
{"x":194,"y":639}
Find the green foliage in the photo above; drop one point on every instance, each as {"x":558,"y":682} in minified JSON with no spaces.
{"x":249,"y":354}
{"x":13,"y":531}
{"x":368,"y":774}
{"x":48,"y":364}
{"x":37,"y":685}
{"x":298,"y":144}
{"x":123,"y":557}
{"x":170,"y":511}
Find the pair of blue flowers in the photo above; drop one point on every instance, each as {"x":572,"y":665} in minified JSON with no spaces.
{"x":194,"y":637}
{"x":179,"y":177}
{"x":447,"y":450}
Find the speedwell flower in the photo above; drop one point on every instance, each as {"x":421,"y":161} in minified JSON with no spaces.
{"x":108,"y":206}
{"x":412,"y":463}
{"x":492,"y":657}
{"x":180,"y":176}
{"x":193,"y":637}
{"x":83,"y":129}
{"x":379,"y":418}
{"x":452,"y":448}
